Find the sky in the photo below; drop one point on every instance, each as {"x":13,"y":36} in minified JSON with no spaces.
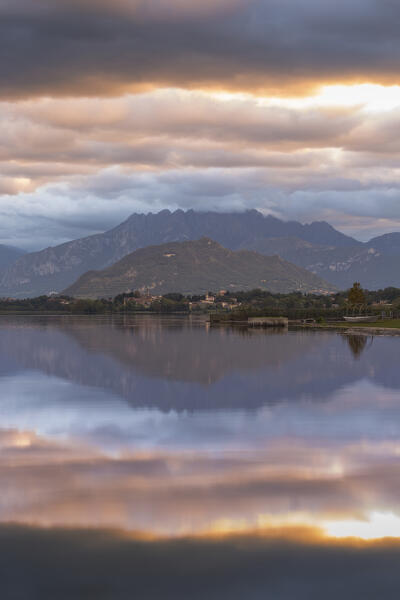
{"x":290,"y":107}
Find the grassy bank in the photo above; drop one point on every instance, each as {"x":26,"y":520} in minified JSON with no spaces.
{"x":381,"y":324}
{"x":390,"y":327}
{"x":386,"y":324}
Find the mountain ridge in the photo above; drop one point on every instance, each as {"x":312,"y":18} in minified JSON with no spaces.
{"x":195,"y":267}
{"x":323,"y":250}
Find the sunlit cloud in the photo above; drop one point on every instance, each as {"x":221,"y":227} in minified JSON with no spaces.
{"x":371,"y":97}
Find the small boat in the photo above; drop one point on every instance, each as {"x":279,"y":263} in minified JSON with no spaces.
{"x":365,"y":319}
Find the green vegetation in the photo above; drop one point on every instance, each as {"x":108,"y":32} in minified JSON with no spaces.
{"x":238,"y":305}
{"x":54,"y":304}
{"x":356,"y":296}
{"x":387,"y":323}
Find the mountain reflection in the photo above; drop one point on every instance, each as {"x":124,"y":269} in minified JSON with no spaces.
{"x":166,"y":363}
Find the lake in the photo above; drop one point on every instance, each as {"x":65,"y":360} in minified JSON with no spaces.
{"x":156,"y":457}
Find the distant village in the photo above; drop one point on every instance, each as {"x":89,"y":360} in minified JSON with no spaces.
{"x":293,"y":305}
{"x":221,"y":300}
{"x":136,"y":301}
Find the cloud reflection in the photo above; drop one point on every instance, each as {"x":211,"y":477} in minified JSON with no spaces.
{"x":108,"y":564}
{"x":60,"y":482}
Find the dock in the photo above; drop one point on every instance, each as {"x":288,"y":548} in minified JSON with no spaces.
{"x":268,"y":322}
{"x":249,"y":321}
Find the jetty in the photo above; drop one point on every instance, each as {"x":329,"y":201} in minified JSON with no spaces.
{"x":268,"y":322}
{"x":248,"y":321}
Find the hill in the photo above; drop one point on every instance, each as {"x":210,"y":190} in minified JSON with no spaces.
{"x":195,"y":268}
{"x":53,"y":269}
{"x":368,"y":263}
{"x":388,"y":244}
{"x":317,"y":247}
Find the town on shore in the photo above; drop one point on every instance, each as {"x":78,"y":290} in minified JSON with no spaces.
{"x":331,"y":307}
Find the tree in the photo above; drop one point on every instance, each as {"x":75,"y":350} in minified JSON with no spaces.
{"x":356,"y":296}
{"x":175,"y":297}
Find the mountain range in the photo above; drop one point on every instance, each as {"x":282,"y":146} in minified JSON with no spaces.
{"x":195,"y":267}
{"x":317,"y":247}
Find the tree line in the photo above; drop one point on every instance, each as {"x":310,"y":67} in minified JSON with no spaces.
{"x":294,"y":304}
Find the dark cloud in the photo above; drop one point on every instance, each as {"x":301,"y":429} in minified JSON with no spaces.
{"x":86,"y":48}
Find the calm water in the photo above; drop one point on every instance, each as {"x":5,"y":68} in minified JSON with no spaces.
{"x":123,"y":439}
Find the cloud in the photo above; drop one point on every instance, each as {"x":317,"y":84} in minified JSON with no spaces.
{"x":55,"y":139}
{"x":86,"y":48}
{"x":78,"y":152}
{"x":90,"y":204}
{"x":168,"y":128}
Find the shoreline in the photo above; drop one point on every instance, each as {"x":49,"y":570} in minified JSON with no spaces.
{"x":292,"y":326}
{"x":349,"y":330}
